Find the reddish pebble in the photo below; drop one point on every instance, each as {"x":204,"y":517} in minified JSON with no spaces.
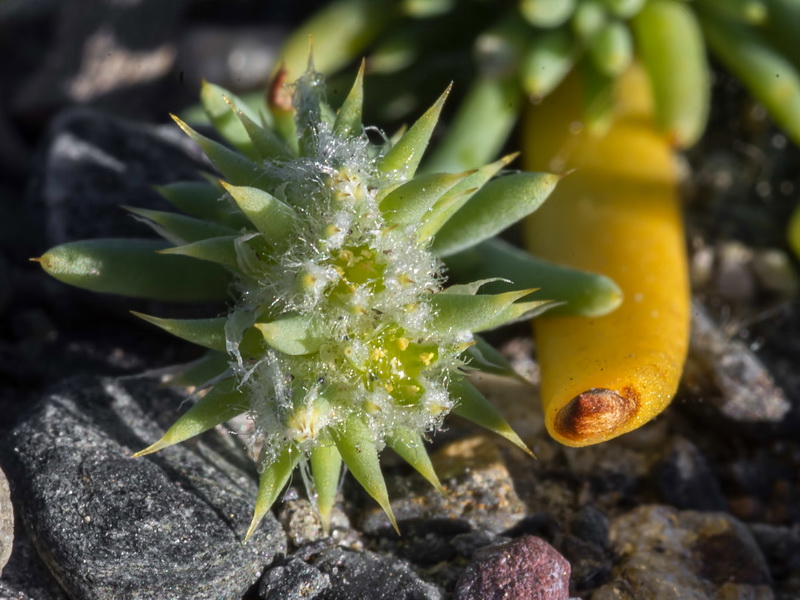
{"x":526,"y":569}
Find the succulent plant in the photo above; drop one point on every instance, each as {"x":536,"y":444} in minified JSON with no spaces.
{"x":510,"y":49}
{"x":341,"y":335}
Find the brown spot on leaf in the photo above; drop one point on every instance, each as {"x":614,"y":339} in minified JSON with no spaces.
{"x":594,"y":415}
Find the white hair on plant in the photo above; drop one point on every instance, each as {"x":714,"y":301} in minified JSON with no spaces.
{"x":351,"y":271}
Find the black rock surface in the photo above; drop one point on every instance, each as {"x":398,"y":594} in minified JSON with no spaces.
{"x":169,"y":525}
{"x":293,"y":579}
{"x":94,"y":164}
{"x":367,"y":576}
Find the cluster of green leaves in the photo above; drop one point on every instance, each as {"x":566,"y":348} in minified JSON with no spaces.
{"x":529,"y":46}
{"x":339,"y":336}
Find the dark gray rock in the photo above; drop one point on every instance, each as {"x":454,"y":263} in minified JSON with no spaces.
{"x":590,"y":563}
{"x":427,"y":542}
{"x":293,"y":579}
{"x":105,"y":52}
{"x":166,"y":526}
{"x":467,"y":544}
{"x":685,"y":479}
{"x":95,"y":163}
{"x":586,"y":546}
{"x":367,"y":576}
{"x":526,"y":569}
{"x":590,"y":525}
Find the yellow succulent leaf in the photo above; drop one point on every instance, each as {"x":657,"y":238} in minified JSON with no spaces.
{"x":617,"y":214}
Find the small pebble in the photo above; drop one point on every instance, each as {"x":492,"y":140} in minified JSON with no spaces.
{"x":668,"y":554}
{"x":527,"y":568}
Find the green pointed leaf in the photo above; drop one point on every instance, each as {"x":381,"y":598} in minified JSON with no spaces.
{"x":410,"y":202}
{"x":201,"y":371}
{"x":220,"y":250}
{"x":223,"y":402}
{"x":266,"y":142}
{"x":578,"y":293}
{"x":134,"y":268}
{"x":273,"y":479}
{"x":496,"y":206}
{"x":405,"y":156}
{"x":472,"y":287}
{"x":209,"y":333}
{"x":398,"y":134}
{"x":327,"y":114}
{"x":203,"y":201}
{"x":275,"y":219}
{"x":294,"y":335}
{"x":464,"y":312}
{"x":482,"y":356}
{"x":449,"y":203}
{"x":348,"y":120}
{"x":519,"y":311}
{"x":411,"y":448}
{"x":457,"y":197}
{"x":326,"y":470}
{"x":236,"y":168}
{"x":312,"y":110}
{"x":473,"y":406}
{"x":217,"y":103}
{"x":179,"y":229}
{"x":481,"y":126}
{"x":357,"y":447}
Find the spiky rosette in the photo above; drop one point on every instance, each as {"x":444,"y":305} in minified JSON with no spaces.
{"x":341,"y":336}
